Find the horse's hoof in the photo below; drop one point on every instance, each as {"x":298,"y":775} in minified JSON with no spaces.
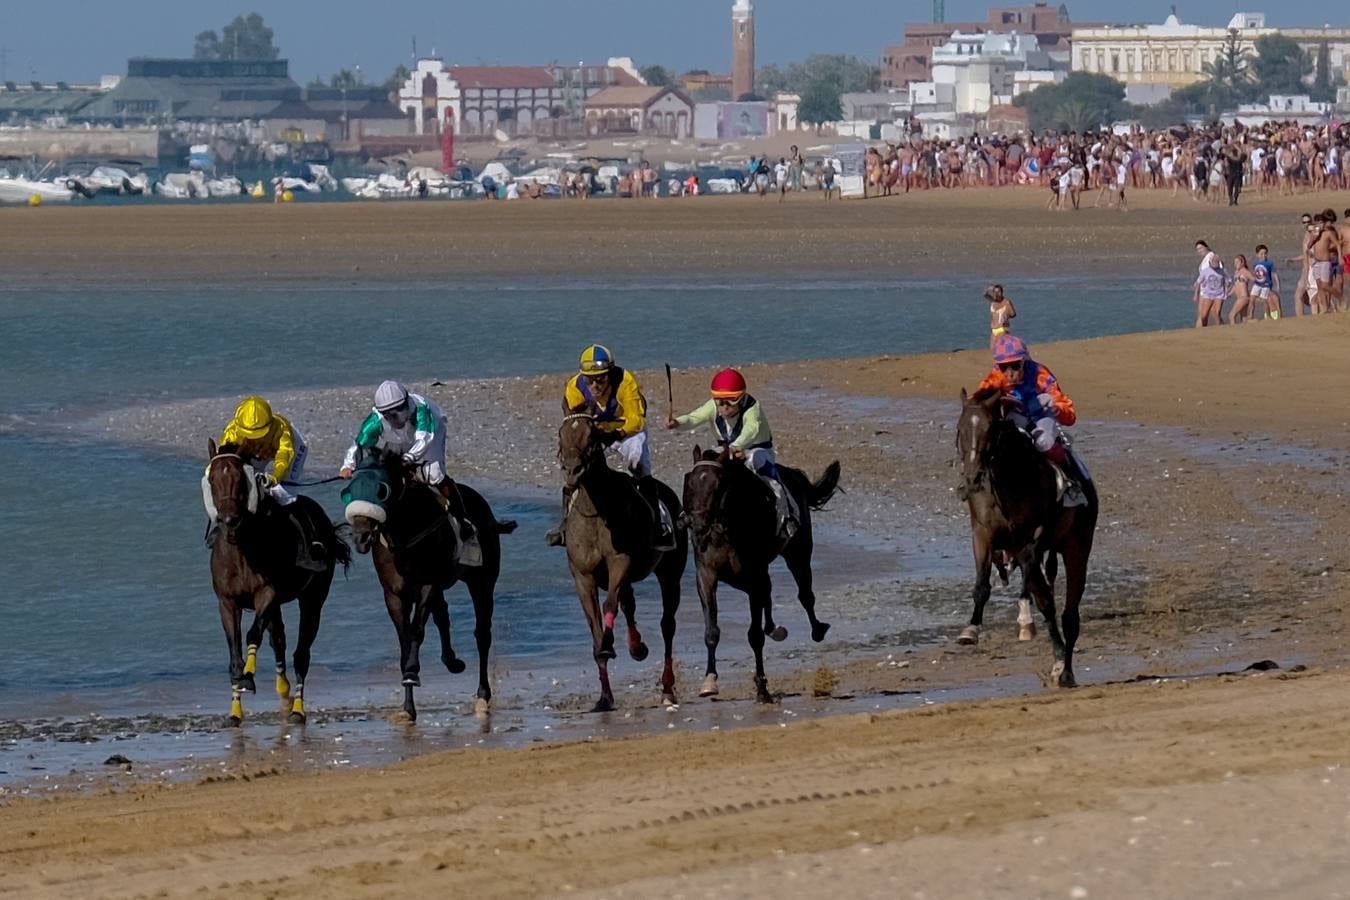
{"x":638,"y":651}
{"x":819,"y":630}
{"x":1061,"y":677}
{"x":246,"y":683}
{"x":779,"y":634}
{"x":604,"y":704}
{"x":763,"y":696}
{"x":1026,"y":632}
{"x":296,"y":718}
{"x":233,"y":721}
{"x":413,"y":680}
{"x":455,"y":665}
{"x":402,"y":717}
{"x":605,"y":654}
{"x":668,"y":699}
{"x":709,"y":688}
{"x":969,"y":635}
{"x":482,"y":707}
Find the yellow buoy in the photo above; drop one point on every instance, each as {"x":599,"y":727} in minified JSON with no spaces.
{"x":257,"y":193}
{"x":34,"y":199}
{"x":287,"y":197}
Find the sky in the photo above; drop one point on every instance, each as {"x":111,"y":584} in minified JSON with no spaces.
{"x":320,"y":37}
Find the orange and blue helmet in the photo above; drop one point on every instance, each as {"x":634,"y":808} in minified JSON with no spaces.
{"x":596,"y":360}
{"x":1010,"y":348}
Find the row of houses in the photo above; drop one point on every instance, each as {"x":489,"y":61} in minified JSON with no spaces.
{"x":492,"y":101}
{"x":605,"y":100}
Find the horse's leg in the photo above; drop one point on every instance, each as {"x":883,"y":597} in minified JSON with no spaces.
{"x":399,"y":615}
{"x":984,"y":563}
{"x":417,"y":615}
{"x":636,"y":648}
{"x":707,"y":596}
{"x":230,"y":616}
{"x":1026,"y":625}
{"x":1045,"y":602}
{"x":797,"y":556}
{"x":670,"y":604}
{"x":253,"y":641}
{"x":759,"y":602}
{"x":440,"y":615}
{"x":618,"y":577}
{"x":481,"y":592}
{"x":588,"y":592}
{"x":1075,"y":581}
{"x":311,"y":609}
{"x":276,"y":630}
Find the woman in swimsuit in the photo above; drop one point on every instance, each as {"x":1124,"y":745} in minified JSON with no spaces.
{"x":1243,"y":277}
{"x":1001,"y":312}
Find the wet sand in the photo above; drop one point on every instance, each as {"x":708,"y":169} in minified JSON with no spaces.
{"x":932,"y":233}
{"x":1219,"y":456}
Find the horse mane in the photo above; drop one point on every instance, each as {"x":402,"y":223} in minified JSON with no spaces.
{"x":984,"y":395}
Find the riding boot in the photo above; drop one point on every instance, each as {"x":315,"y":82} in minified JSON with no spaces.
{"x":1072,"y":494}
{"x":455,"y":506}
{"x":311,"y":554}
{"x":663,"y":537}
{"x":557,"y":537}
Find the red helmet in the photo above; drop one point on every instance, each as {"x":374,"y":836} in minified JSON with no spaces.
{"x":728,"y":384}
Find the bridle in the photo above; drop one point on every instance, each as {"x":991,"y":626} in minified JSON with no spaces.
{"x":702,"y":526}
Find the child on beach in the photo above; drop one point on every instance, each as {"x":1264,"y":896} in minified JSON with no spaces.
{"x":1001,"y":312}
{"x":1266,"y":287}
{"x":1240,"y":290}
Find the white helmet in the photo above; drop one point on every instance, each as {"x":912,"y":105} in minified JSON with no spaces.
{"x":390,"y":395}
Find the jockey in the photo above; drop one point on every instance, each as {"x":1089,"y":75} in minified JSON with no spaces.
{"x":611,"y":394}
{"x":739,"y":424}
{"x":261,"y":436}
{"x":411,"y":425}
{"x":1039,"y":407}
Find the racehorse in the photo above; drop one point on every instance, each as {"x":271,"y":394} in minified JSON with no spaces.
{"x":255,"y":545}
{"x":732,"y":518}
{"x":404,"y":525}
{"x":1015,"y":509}
{"x":608,"y":535}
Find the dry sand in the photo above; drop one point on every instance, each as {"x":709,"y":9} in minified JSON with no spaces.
{"x":1220,"y":457}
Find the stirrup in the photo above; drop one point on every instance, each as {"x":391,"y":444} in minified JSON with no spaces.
{"x":555,"y":538}
{"x":1073,"y":495}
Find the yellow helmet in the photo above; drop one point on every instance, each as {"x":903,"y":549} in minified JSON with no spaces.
{"x":252,"y":417}
{"x":596,"y":360}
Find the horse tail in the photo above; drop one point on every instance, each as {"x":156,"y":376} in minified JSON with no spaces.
{"x":505,"y":526}
{"x":819,"y":493}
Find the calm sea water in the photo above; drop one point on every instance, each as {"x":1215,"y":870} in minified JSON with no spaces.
{"x":105,"y":596}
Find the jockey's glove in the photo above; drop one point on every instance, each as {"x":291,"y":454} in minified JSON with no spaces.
{"x":1047,"y":403}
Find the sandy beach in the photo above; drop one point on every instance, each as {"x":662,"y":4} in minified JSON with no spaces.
{"x":1174,"y":770}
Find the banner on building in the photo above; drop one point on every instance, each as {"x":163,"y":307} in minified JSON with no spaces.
{"x":742,"y":120}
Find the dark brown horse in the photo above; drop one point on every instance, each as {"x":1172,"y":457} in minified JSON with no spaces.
{"x":254,"y":548}
{"x":1016,"y":513}
{"x":733,"y":521}
{"x":416,"y":551}
{"x":608,"y":534}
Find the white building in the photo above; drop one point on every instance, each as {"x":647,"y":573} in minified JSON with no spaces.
{"x":979,"y":71}
{"x":1298,"y":108}
{"x":663,"y":111}
{"x":1174,"y":54}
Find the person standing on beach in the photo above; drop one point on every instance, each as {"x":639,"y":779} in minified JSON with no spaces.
{"x":1302,"y":291}
{"x":1325,"y":251}
{"x":1243,"y":278}
{"x":1001,"y":312}
{"x":1211,"y":287}
{"x":1266,"y":287}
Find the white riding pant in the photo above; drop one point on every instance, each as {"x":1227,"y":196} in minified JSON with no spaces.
{"x":278,"y":493}
{"x":1044,"y":432}
{"x":637,"y":457}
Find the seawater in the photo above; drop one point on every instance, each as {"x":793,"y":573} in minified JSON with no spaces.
{"x":105,"y":599}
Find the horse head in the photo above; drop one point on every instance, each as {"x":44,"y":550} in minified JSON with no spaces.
{"x":704,"y":490}
{"x":379,"y":480}
{"x":229,"y":488}
{"x":980,"y":415}
{"x":579,"y":447}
